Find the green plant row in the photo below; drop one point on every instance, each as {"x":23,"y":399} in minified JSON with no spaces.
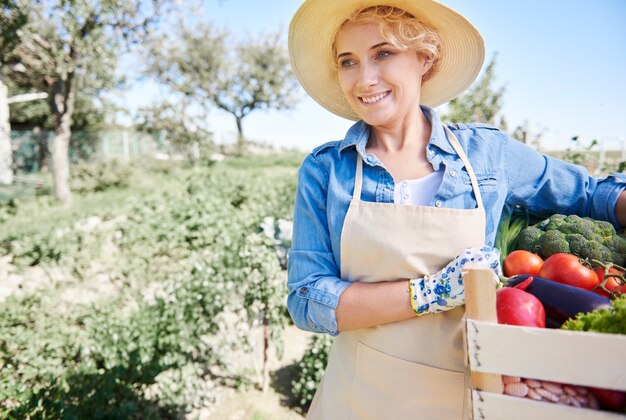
{"x":178,"y":260}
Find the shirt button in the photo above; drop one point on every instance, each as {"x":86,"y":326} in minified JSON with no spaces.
{"x":303,"y":290}
{"x":370,"y":159}
{"x":404,"y":184}
{"x":452,"y":172}
{"x":431,"y":153}
{"x":438,"y":203}
{"x":406,"y":197}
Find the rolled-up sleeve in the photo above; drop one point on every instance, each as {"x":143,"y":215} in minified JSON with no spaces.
{"x":547,"y":185}
{"x":313,"y":275}
{"x":605,"y":198}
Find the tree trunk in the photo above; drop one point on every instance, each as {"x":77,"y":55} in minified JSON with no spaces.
{"x":240,"y":138}
{"x":6,"y":151}
{"x":42,"y":151}
{"x":266,"y":352}
{"x":62,"y":103}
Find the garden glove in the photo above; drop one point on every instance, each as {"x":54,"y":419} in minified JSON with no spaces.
{"x":444,"y":290}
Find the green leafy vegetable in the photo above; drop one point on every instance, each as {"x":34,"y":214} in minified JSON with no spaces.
{"x":581,"y":236}
{"x":611,"y":320}
{"x":509,"y":229}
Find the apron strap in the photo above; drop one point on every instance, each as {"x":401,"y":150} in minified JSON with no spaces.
{"x":358,"y":177}
{"x":459,"y":150}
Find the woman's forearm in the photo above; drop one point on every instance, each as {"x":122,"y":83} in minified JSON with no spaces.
{"x":620,"y":209}
{"x":364,"y":305}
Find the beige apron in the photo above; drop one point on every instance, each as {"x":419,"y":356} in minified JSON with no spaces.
{"x":412,"y":369}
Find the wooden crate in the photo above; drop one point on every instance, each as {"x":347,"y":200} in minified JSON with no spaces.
{"x":571,"y":357}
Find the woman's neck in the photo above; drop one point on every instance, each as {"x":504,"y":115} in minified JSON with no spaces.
{"x":411,"y":133}
{"x":402,"y":149}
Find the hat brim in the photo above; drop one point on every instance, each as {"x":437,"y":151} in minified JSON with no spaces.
{"x":312,"y":31}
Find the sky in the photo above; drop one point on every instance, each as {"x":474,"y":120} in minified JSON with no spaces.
{"x":562,"y":64}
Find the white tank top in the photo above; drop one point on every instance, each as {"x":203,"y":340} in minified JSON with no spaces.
{"x":418,"y":192}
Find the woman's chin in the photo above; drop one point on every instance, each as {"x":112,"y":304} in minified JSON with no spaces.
{"x":377,"y":119}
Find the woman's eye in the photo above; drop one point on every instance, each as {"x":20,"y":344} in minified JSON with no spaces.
{"x":383,"y":54}
{"x":348,"y":62}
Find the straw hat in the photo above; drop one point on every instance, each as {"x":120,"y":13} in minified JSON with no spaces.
{"x":312,"y":32}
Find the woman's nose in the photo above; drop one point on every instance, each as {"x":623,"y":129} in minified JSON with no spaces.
{"x":368,"y":76}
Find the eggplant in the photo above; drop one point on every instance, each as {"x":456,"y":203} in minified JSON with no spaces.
{"x":560,"y":301}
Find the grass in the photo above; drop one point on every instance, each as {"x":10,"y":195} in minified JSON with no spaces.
{"x":42,"y":213}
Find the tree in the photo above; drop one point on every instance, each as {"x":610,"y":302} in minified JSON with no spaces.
{"x":481,"y":103}
{"x":57,"y":50}
{"x":174,"y":122}
{"x":13,"y":17}
{"x":236,"y":77}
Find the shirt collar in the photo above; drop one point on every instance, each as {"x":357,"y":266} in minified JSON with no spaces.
{"x":358,"y":134}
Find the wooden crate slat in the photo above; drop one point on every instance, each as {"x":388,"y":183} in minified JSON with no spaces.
{"x":581,"y":358}
{"x":491,"y":406}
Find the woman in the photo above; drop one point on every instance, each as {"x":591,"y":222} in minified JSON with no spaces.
{"x":399,"y":198}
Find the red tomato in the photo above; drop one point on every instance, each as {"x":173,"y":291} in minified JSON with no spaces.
{"x":619,"y":290}
{"x":522,"y":262}
{"x":567,"y":269}
{"x":611,"y":281}
{"x":613,"y":400}
{"x":514,"y":306}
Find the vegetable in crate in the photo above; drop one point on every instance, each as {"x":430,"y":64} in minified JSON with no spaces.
{"x":581,"y":236}
{"x":522,"y":262}
{"x":561,"y":301}
{"x":568,"y":269}
{"x":514,"y":306}
{"x":611,"y":281}
{"x":610,"y":320}
{"x":554,"y":392}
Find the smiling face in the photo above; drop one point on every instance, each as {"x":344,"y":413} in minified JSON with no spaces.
{"x":381,"y":82}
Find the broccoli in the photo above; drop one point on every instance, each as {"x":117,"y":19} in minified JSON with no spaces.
{"x":604,"y":229}
{"x":577,"y":243}
{"x":617,"y":247}
{"x":597,"y":251}
{"x":528,"y":239}
{"x":553,"y":242}
{"x":581,"y":236}
{"x":553,"y":222}
{"x":585,"y":227}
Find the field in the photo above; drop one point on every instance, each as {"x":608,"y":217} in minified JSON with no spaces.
{"x":159,"y":293}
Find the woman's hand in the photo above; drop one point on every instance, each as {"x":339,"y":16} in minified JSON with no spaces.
{"x":444,"y":290}
{"x":364,"y":305}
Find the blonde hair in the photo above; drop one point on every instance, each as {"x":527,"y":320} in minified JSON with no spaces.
{"x":400,"y":29}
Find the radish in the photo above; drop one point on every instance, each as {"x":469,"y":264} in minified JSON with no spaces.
{"x":515,"y":306}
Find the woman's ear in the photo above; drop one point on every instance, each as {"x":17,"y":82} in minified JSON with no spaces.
{"x":427,"y":63}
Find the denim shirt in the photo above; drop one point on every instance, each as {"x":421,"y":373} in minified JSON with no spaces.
{"x":510,"y":174}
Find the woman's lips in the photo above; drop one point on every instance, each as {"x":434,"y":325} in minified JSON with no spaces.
{"x":372,"y":99}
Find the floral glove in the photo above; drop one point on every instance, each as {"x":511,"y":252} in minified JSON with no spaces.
{"x":444,"y":290}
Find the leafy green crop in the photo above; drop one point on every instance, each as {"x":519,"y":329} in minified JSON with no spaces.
{"x":176,"y":263}
{"x":611,"y":320}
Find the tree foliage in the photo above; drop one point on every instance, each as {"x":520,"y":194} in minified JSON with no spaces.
{"x":173,"y":123}
{"x":13,"y":16}
{"x":66,"y":46}
{"x":481,"y":103}
{"x":235,"y":76}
